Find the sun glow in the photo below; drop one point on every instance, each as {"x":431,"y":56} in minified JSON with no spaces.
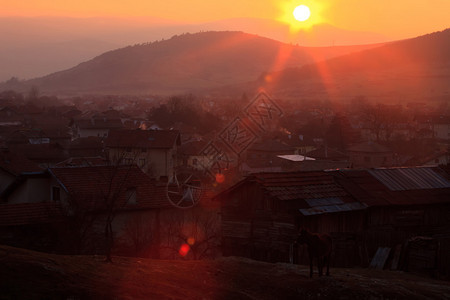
{"x":301,"y":13}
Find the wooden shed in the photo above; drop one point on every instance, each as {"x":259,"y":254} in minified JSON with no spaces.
{"x":262,"y":214}
{"x":403,"y":203}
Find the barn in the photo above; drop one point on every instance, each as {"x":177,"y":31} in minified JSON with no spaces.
{"x":362,"y":209}
{"x":262,"y":214}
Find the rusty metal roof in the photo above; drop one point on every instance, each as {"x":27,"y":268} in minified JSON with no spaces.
{"x":316,"y":210}
{"x":403,"y":179}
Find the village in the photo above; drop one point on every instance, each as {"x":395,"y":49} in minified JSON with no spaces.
{"x":188,"y":178}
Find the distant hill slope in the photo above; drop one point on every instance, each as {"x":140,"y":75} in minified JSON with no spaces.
{"x":185,"y":63}
{"x":410,"y":70}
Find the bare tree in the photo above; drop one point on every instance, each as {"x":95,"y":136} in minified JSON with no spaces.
{"x":382,"y":120}
{"x":77,"y":235}
{"x":140,"y":231}
{"x":192,"y":234}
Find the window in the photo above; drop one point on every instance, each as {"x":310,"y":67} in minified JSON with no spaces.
{"x":128,"y":161}
{"x":141,"y":162}
{"x":131,"y":196}
{"x":56,"y":194}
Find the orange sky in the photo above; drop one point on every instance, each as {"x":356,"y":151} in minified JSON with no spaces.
{"x":391,"y":18}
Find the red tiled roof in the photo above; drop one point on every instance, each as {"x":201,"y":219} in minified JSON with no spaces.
{"x":83,"y":162}
{"x":369,"y":147}
{"x":42,"y":152}
{"x":143,"y":138}
{"x":15,"y":163}
{"x":301,"y":185}
{"x":29,"y":213}
{"x":86,"y":142}
{"x":98,"y":123}
{"x":95,"y":183}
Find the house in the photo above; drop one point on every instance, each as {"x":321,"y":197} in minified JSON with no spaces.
{"x":12,"y":164}
{"x":30,"y":225}
{"x":302,"y":144}
{"x":45,"y":155}
{"x":95,"y":125}
{"x":26,"y":217}
{"x":327,"y":153}
{"x":386,"y":132}
{"x":263,"y":156}
{"x":83,"y":162}
{"x":66,"y":209}
{"x":190,"y":157}
{"x":10,"y":117}
{"x":27,"y":136}
{"x":370,"y":155}
{"x":306,"y":163}
{"x":441,"y":127}
{"x":154,"y":151}
{"x":436,"y":158}
{"x":86,"y":147}
{"x":78,"y":194}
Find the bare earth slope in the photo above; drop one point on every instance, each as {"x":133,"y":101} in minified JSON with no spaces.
{"x":31,"y":275}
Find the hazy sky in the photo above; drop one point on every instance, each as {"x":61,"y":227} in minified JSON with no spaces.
{"x":392,"y":18}
{"x":52,"y":35}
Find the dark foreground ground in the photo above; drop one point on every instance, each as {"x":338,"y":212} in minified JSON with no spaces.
{"x":32,"y":275}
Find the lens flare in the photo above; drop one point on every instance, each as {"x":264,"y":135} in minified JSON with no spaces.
{"x":184,"y":250}
{"x":220,"y":178}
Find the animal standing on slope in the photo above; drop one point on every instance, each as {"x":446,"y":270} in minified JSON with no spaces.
{"x":319,"y":246}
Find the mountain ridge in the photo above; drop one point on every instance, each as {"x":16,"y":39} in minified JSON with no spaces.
{"x":417,"y":67}
{"x":185,"y":63}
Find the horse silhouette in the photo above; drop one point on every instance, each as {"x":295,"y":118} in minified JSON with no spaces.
{"x":319,"y":246}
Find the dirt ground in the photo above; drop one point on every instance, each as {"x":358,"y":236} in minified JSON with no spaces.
{"x":32,"y":275}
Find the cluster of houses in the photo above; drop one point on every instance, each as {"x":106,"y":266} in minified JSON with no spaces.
{"x":65,"y":174}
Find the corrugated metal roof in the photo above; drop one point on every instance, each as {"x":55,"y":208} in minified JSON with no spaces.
{"x":402,"y":179}
{"x":324,"y":201}
{"x":295,"y":157}
{"x":317,"y":210}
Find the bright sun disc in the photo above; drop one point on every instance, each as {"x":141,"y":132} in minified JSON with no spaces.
{"x":302,"y":13}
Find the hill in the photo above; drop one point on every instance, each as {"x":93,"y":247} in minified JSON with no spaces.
{"x":185,"y":63}
{"x":32,"y":47}
{"x":416,"y":69}
{"x":32,"y":275}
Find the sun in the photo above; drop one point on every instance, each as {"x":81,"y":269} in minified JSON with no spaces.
{"x":301,"y":13}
